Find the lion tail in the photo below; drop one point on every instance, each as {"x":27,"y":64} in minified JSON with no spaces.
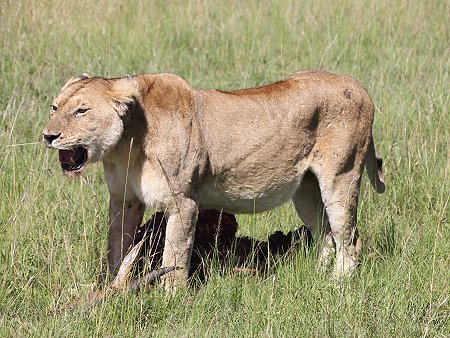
{"x":374,"y":165}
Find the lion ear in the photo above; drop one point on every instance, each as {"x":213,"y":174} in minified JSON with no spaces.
{"x":83,"y":76}
{"x":123,"y":91}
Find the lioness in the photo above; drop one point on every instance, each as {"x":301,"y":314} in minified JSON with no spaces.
{"x":175,"y":148}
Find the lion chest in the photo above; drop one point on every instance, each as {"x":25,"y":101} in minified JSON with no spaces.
{"x":151,"y":188}
{"x":140,"y":181}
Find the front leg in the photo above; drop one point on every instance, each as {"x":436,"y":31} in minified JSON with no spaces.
{"x":178,"y":243}
{"x":124,"y":218}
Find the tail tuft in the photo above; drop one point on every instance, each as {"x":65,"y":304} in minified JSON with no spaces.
{"x":374,"y":165}
{"x":380,"y":184}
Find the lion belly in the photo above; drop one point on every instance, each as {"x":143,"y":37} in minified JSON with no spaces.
{"x":245,"y":197}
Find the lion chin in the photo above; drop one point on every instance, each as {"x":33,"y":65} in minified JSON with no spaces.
{"x":74,"y":173}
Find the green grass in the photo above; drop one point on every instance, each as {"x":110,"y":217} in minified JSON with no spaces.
{"x":53,"y":231}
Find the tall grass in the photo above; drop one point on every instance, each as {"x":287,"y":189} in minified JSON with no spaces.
{"x":53,"y":231}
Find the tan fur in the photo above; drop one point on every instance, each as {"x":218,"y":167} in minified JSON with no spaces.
{"x":306,"y":138}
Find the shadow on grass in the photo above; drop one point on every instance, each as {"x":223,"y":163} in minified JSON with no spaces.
{"x":216,"y":246}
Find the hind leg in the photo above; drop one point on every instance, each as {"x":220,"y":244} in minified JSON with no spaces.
{"x":340,"y":195}
{"x":309,"y":207}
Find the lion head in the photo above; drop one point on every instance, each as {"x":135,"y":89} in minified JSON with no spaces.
{"x":86,"y":120}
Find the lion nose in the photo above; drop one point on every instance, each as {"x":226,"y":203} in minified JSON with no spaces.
{"x":49,"y":138}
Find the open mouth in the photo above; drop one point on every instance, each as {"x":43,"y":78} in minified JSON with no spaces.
{"x":73,"y":159}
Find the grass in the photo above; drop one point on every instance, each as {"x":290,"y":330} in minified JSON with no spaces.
{"x":53,"y":231}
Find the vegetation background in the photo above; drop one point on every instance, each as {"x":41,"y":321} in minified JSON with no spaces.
{"x":53,"y":230}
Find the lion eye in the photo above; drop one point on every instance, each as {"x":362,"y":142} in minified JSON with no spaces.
{"x":80,"y":111}
{"x":53,"y":108}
